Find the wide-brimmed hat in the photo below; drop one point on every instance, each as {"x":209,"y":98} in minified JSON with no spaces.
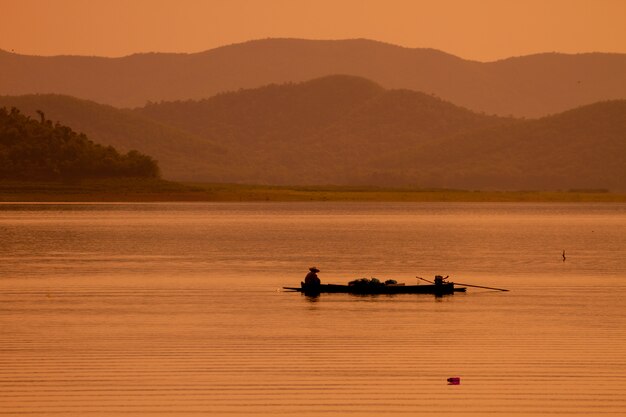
{"x":314,"y":269}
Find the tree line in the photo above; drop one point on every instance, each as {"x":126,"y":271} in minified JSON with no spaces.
{"x":42,"y":150}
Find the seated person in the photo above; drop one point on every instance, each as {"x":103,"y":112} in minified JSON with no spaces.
{"x":311,"y":278}
{"x":439,"y":280}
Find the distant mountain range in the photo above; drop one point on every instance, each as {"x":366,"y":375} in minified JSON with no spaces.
{"x":348,"y":130}
{"x":528,"y":86}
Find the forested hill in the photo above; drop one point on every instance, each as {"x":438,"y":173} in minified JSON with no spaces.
{"x":269,"y":115}
{"x":346,"y":130}
{"x":180,"y":154}
{"x":583,"y":148}
{"x":302,"y":134}
{"x":323,"y":131}
{"x":41,"y":150}
{"x":529,"y":86}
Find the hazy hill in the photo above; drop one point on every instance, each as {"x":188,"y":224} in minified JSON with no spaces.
{"x":303,"y":133}
{"x":317,"y":131}
{"x":582,"y":148}
{"x":347,"y":130}
{"x":268,"y":114}
{"x":394,"y":119}
{"x":40,"y":150}
{"x":181,"y":154}
{"x":531,"y":86}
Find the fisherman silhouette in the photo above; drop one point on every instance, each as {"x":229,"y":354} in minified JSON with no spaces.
{"x":311,"y":278}
{"x":440,"y":280}
{"x":564,"y":255}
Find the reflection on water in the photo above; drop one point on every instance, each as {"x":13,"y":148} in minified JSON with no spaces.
{"x":174,"y":309}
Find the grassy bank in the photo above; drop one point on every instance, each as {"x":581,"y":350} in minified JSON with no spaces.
{"x":221,"y":192}
{"x":146,"y":190}
{"x":124,"y":189}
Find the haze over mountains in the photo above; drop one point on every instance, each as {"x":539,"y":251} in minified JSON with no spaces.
{"x":348,"y":130}
{"x":529,"y":86}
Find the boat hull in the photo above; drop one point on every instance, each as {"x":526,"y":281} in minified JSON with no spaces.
{"x":447,"y":288}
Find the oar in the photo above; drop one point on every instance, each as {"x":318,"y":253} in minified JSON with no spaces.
{"x":480,"y":286}
{"x":468,"y":285}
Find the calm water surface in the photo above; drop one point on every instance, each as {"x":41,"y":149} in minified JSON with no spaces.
{"x":175,"y":309}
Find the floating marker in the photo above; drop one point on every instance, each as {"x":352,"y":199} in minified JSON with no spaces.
{"x":455,"y":380}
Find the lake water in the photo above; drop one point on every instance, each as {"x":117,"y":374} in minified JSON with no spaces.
{"x":176,"y":309}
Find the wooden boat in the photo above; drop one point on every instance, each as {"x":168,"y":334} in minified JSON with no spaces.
{"x":443,"y":289}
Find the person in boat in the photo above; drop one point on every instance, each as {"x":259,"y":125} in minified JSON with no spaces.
{"x":311,"y":278}
{"x":439,"y":280}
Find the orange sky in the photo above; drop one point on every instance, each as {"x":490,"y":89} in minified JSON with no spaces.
{"x":480,"y":29}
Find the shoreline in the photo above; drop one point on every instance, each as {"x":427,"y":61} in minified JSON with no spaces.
{"x":164,"y":191}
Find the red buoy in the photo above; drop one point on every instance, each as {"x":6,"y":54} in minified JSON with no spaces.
{"x":455,"y":380}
